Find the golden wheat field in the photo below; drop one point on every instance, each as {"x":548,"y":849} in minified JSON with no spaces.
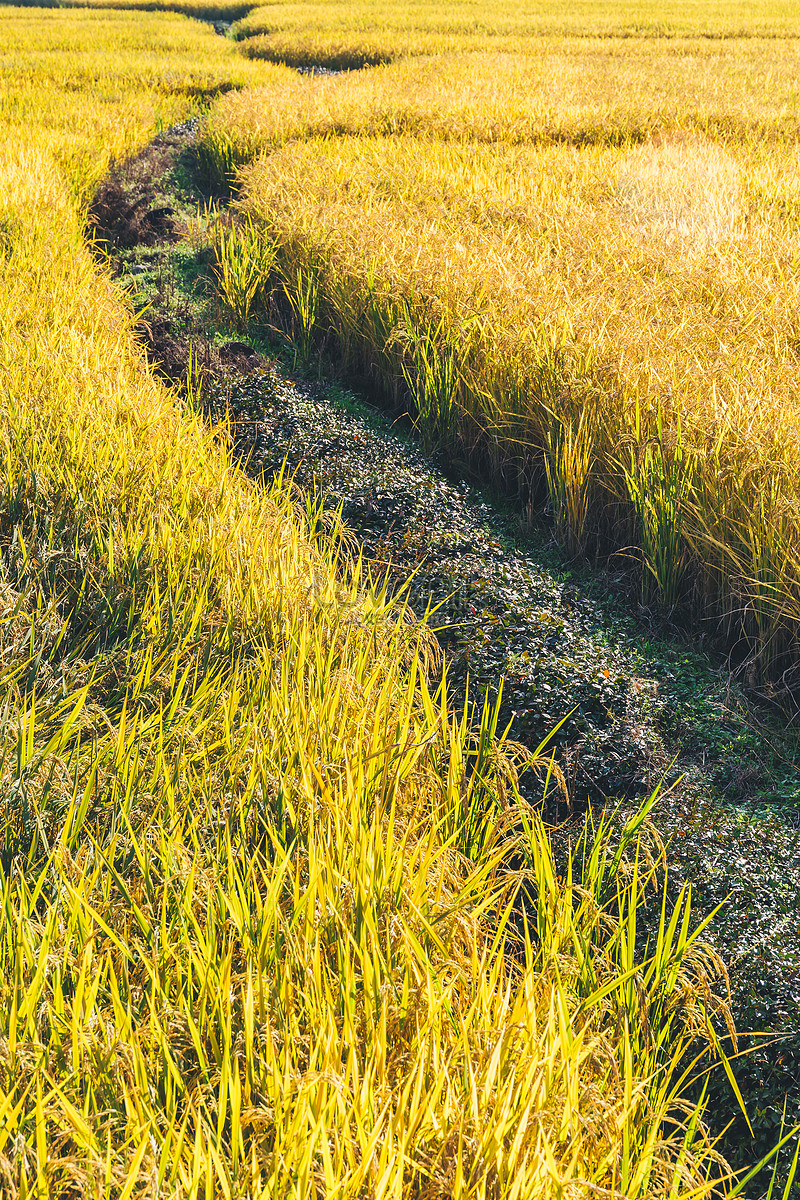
{"x":250,"y":944}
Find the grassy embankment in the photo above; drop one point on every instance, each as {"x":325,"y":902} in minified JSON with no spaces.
{"x":242,"y":949}
{"x":581,"y":266}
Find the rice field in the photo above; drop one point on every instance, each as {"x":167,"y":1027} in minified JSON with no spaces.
{"x":583,"y":92}
{"x":259,"y":932}
{"x":590,"y":293}
{"x":225,"y":11}
{"x":85,"y":88}
{"x":342,"y":35}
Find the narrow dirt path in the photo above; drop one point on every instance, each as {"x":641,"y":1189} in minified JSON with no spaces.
{"x":641,"y":708}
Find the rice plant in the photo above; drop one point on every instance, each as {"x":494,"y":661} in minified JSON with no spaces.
{"x":344,"y":35}
{"x":431,"y":372}
{"x":568,"y":464}
{"x":580,"y":301}
{"x":194,"y":382}
{"x":244,"y":260}
{"x":659,"y":483}
{"x":302,"y":294}
{"x":275,"y":919}
{"x":92,"y":86}
{"x":697,"y":100}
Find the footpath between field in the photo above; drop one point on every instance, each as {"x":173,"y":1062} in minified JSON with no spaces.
{"x":638,"y":706}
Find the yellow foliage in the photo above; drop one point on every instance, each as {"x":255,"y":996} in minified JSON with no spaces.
{"x":648,"y":275}
{"x":92,"y":86}
{"x":584,"y":91}
{"x":244,"y":950}
{"x":344,"y":34}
